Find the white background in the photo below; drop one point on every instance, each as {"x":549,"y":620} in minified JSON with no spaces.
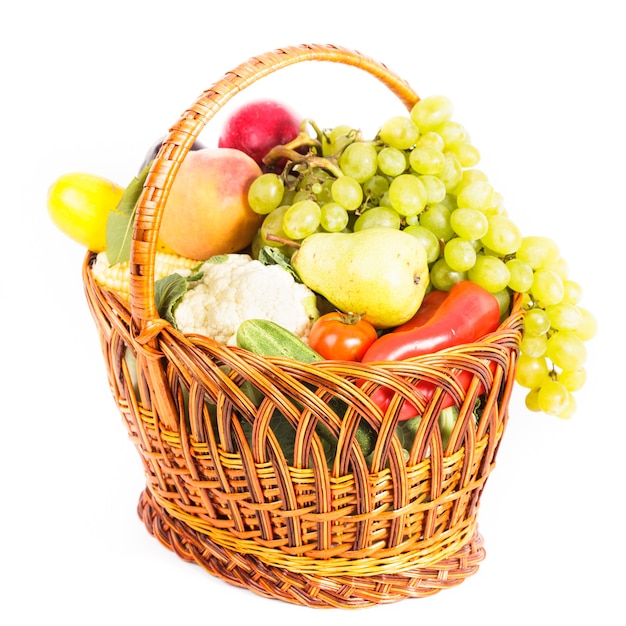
{"x":539,"y":86}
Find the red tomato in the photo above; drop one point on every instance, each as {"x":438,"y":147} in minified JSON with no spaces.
{"x":341,"y":336}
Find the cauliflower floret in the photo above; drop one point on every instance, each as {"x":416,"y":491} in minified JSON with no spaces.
{"x":236,"y":287}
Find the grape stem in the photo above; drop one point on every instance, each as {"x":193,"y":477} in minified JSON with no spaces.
{"x":290,"y":152}
{"x":283,"y":240}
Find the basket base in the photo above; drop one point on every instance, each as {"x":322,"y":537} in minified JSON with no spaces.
{"x":348,"y":592}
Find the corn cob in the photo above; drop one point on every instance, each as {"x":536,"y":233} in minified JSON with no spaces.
{"x":117,"y":277}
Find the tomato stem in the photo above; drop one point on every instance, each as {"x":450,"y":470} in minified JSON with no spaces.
{"x":349,"y":318}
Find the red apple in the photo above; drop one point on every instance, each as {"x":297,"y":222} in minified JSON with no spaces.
{"x":258,"y":126}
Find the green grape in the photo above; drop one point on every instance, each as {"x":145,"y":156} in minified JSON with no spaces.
{"x":392,"y":161}
{"x":531,"y":401}
{"x":302,"y":219}
{"x":359,"y":160}
{"x":468,"y":155}
{"x":531,"y":372}
{"x":536,"y":322}
{"x":435,"y":189}
{"x":560,"y":267}
{"x":333,"y":217}
{"x":468,"y":177}
{"x":469,"y":223}
{"x":574,"y":380}
{"x":314,"y":180}
{"x":526,"y":301}
{"x":337,"y":138}
{"x":547,"y":287}
{"x":452,"y":133}
{"x":459,"y":254}
{"x":432,"y":140}
{"x":428,"y":239}
{"x":426,"y":160}
{"x":384,"y":200}
{"x":451,"y":172}
{"x":266,"y":193}
{"x":502,"y":236}
{"x":573,"y":291}
{"x":322,"y":191}
{"x":273,"y":225}
{"x":375,"y":188}
{"x":449,"y":202}
{"x":570,"y":408}
{"x":347,"y":192}
{"x":490,"y":272}
{"x":436,"y":218}
{"x":497,"y":205}
{"x":407,"y":194}
{"x":300,"y":195}
{"x":553,"y":397}
{"x":588,"y":326}
{"x":377,"y":217}
{"x":476,"y":195}
{"x":534,"y":345}
{"x":504,"y":300}
{"x":443,"y":277}
{"x":288,"y":195}
{"x":399,"y":132}
{"x":564,"y":316}
{"x":566,"y":350}
{"x":431,"y":112}
{"x":538,"y":252}
{"x":521,"y":275}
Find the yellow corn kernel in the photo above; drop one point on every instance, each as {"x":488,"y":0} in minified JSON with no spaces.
{"x":117,"y":277}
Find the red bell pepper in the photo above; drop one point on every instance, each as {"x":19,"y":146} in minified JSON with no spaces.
{"x":431,"y":302}
{"x":463,"y":315}
{"x":467,"y":313}
{"x":424,"y":389}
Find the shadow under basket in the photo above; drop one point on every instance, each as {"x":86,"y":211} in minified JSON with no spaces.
{"x":320,"y":522}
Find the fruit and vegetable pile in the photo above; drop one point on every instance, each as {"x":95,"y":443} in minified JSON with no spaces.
{"x":318,"y":243}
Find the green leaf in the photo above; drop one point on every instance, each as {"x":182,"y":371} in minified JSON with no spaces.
{"x":119,"y":228}
{"x":269,"y":255}
{"x":168,"y":292}
{"x":217,"y":259}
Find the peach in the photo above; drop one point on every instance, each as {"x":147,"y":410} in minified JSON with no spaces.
{"x":207,"y":210}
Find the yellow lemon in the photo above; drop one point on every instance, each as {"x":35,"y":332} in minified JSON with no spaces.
{"x":79,"y":205}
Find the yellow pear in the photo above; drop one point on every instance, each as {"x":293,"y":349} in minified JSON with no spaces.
{"x":379,"y":273}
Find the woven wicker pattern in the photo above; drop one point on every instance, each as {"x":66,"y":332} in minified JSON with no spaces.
{"x":340,"y":531}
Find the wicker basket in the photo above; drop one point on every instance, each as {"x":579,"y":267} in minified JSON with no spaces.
{"x":349,"y":533}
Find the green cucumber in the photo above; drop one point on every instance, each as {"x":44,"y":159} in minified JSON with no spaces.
{"x":268,"y":338}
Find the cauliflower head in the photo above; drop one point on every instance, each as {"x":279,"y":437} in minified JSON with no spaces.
{"x":236,"y":287}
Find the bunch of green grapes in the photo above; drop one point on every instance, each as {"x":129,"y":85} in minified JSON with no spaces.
{"x":420,"y":174}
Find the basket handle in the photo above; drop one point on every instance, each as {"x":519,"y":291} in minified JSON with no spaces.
{"x":180,"y":139}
